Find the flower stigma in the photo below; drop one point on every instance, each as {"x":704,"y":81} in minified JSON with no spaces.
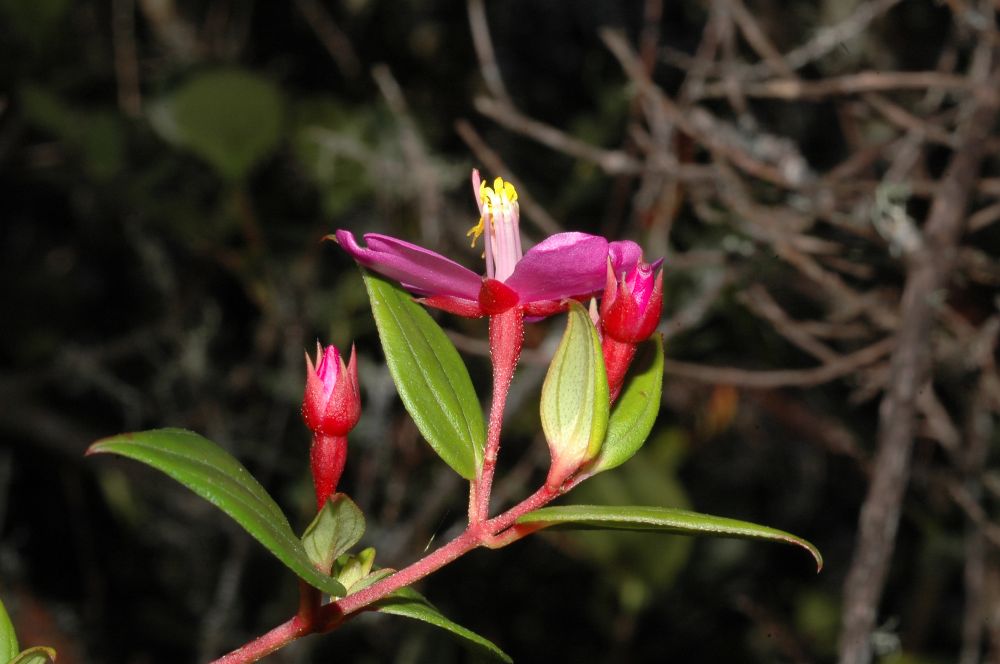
{"x":501,"y":235}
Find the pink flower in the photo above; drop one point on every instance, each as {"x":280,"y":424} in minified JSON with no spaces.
{"x":332,"y":401}
{"x":565,"y":265}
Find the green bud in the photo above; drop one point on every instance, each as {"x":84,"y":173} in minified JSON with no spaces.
{"x":575,"y":403}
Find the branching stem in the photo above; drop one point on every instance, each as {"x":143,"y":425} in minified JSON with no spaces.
{"x":315,"y":619}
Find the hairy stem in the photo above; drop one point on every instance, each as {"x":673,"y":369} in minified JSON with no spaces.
{"x":506,"y":338}
{"x":314,"y":619}
{"x":265,"y":644}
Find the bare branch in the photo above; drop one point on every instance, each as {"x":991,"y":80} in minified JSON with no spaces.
{"x":483,"y":44}
{"x":928,"y":272}
{"x":842,"y":366}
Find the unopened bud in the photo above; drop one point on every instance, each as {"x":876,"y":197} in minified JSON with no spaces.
{"x":630,"y":312}
{"x":331,"y":407}
{"x":630,"y":308}
{"x":574,"y":404}
{"x":332,"y":401}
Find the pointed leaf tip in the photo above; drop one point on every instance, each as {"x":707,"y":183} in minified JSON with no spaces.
{"x":408,"y":603}
{"x":215,"y":475}
{"x":35,"y":655}
{"x":662,"y":519}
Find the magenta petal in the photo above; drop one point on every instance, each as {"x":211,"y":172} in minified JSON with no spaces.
{"x":625,"y":255}
{"x":418,"y":269}
{"x":563,"y":265}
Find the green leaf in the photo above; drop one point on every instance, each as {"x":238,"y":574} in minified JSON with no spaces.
{"x":635,"y":412}
{"x":36,"y":655}
{"x":409,"y":603}
{"x":574,"y":405}
{"x":349,"y":569}
{"x":212,"y":473}
{"x":370,"y":579}
{"x":336,"y":528}
{"x":661,"y":519}
{"x":8,"y":638}
{"x":229,"y":117}
{"x":430,"y":376}
{"x":97,"y":136}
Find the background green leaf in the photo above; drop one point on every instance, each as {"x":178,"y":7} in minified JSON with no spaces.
{"x":634,"y":413}
{"x":336,"y":528}
{"x":231,"y":118}
{"x":8,"y":638}
{"x":212,"y":473}
{"x":662,"y":519}
{"x":408,"y":603}
{"x":430,"y":376}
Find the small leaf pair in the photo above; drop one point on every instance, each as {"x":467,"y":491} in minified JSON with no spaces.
{"x":212,"y":473}
{"x":335,"y":529}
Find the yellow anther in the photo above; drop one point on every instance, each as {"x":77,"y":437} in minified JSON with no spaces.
{"x":476,"y":231}
{"x":502,"y":194}
{"x":509,"y":192}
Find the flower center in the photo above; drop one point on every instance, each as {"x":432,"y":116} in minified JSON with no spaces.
{"x":499,"y":226}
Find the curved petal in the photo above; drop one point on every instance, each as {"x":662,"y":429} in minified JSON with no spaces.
{"x":563,"y":265}
{"x":625,"y":255}
{"x":416,"y":268}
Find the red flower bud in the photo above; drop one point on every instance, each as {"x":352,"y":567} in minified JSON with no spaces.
{"x":630,"y":308}
{"x":630,"y":311}
{"x":332,"y":402}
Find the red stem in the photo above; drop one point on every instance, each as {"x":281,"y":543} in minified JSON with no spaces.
{"x":265,"y":644}
{"x":311,"y":619}
{"x":506,"y":338}
{"x":327,"y":457}
{"x":618,"y":355}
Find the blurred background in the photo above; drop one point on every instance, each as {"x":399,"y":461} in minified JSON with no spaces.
{"x":822,"y":178}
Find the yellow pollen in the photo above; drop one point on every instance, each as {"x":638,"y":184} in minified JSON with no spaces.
{"x":476,"y":231}
{"x":501,"y":195}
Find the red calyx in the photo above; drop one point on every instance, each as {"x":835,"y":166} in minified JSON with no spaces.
{"x":496,"y":297}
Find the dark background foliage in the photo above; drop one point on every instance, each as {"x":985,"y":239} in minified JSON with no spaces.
{"x":168,"y":169}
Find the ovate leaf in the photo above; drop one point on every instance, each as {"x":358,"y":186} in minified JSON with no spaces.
{"x":36,"y":655}
{"x":8,"y":638}
{"x":212,"y":473}
{"x":430,"y":376}
{"x":574,"y":405}
{"x":229,"y":117}
{"x":409,"y":603}
{"x":661,"y":519}
{"x":336,"y":528}
{"x":635,"y":411}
